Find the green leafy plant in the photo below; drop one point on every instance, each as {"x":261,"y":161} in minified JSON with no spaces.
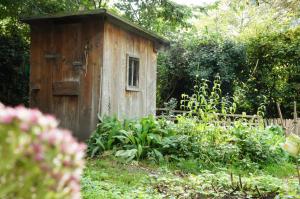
{"x":239,"y":145}
{"x":104,"y":137}
{"x":131,"y":139}
{"x":202,"y":134}
{"x":206,"y":103}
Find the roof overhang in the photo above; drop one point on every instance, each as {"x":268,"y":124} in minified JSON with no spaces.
{"x":160,"y":42}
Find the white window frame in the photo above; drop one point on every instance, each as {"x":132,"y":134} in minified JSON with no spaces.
{"x":130,"y":87}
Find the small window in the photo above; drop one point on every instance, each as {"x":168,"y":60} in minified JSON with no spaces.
{"x":133,"y":68}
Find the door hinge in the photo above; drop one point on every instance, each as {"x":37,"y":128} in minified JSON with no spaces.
{"x":52,"y":56}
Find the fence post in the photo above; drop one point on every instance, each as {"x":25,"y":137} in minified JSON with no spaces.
{"x":281,"y":118}
{"x":295,"y":119}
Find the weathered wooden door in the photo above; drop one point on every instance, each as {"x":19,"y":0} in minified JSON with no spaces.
{"x":67,"y":69}
{"x":66,"y":61}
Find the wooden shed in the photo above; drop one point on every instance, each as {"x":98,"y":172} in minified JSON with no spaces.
{"x":89,"y":63}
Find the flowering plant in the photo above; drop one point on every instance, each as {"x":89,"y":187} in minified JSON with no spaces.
{"x":38,"y":160}
{"x":292,"y":145}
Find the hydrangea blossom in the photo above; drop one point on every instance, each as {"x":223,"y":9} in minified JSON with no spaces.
{"x":38,"y":160}
{"x":292,"y":145}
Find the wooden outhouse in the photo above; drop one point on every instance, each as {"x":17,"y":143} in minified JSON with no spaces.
{"x":89,"y":63}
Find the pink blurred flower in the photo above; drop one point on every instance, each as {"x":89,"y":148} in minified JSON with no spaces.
{"x":48,"y":121}
{"x":56,"y":152}
{"x":7,"y":115}
{"x":38,"y":157}
{"x":24,"y":114}
{"x":37,"y":148}
{"x":24,"y":126}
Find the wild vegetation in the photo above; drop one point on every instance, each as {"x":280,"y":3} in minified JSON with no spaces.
{"x":208,"y":146}
{"x":201,"y":143}
{"x":194,"y":160}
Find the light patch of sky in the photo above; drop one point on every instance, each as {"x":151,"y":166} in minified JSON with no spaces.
{"x":194,"y":2}
{"x":184,"y":2}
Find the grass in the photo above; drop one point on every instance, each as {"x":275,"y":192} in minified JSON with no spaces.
{"x":112,"y":179}
{"x":108,"y":178}
{"x":283,"y":170}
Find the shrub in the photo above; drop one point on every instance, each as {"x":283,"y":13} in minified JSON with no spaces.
{"x":202,"y":133}
{"x":14,"y":68}
{"x":194,"y":57}
{"x":130,"y":138}
{"x":210,"y":145}
{"x":38,"y":160}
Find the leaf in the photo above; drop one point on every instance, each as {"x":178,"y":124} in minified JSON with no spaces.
{"x":99,"y":143}
{"x":128,"y":155}
{"x":95,"y":150}
{"x":158,"y":155}
{"x":139,"y":151}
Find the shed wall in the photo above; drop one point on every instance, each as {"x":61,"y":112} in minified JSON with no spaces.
{"x":53,"y":81}
{"x":115,"y":99}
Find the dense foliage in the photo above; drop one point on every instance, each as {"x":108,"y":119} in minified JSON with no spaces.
{"x":253,"y":45}
{"x":194,"y":58}
{"x":164,"y":17}
{"x":202,"y":134}
{"x":38,"y":160}
{"x":14,"y":68}
{"x":274,"y":65}
{"x":264,"y":69}
{"x":209,"y":145}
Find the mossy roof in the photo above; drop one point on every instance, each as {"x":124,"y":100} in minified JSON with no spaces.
{"x":115,"y":19}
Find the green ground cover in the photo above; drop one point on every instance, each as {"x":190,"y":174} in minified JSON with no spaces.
{"x":109,"y":178}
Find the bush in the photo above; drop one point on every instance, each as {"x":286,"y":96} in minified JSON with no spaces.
{"x":14,"y":68}
{"x":130,"y":138}
{"x":210,"y":145}
{"x":38,"y":160}
{"x":202,"y":134}
{"x":193,"y":57}
{"x":274,"y":55}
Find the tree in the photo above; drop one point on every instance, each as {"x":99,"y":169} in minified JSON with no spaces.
{"x":162,"y":16}
{"x":273,"y":60}
{"x":241,"y":19}
{"x":192,"y":58}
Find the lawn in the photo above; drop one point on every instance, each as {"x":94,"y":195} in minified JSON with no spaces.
{"x":107,"y":177}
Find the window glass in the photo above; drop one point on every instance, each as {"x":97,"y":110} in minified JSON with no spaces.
{"x":133,"y":72}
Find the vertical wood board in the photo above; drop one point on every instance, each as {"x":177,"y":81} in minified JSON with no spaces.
{"x":116,"y":100}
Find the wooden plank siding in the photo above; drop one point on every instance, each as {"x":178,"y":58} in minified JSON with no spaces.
{"x":116,"y":100}
{"x":39,"y":78}
{"x":89,"y":100}
{"x":55,"y":46}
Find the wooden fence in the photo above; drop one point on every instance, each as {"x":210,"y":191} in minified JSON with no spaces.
{"x":289,"y":125}
{"x":224,"y":119}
